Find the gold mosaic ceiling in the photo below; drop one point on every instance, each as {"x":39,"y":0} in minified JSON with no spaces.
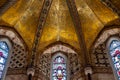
{"x":2,"y":2}
{"x":116,"y":3}
{"x":24,"y":15}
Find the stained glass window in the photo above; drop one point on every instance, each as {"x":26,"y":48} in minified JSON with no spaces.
{"x":115,"y":55}
{"x":3,"y":57}
{"x":59,"y":71}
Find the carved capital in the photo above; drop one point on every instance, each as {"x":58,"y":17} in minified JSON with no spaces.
{"x":88,"y":70}
{"x":31,"y":71}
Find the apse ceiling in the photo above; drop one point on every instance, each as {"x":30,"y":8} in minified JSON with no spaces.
{"x":59,"y":26}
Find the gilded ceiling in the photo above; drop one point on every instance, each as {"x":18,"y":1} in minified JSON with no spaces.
{"x":2,"y":2}
{"x":24,"y":16}
{"x":59,"y":25}
{"x":116,"y":3}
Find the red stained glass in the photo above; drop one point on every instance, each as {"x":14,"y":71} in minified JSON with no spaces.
{"x":115,"y":54}
{"x":59,"y":69}
{"x":1,"y":54}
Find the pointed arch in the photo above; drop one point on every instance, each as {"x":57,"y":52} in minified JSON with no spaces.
{"x":56,"y":51}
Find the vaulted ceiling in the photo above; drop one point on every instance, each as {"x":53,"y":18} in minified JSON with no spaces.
{"x":24,"y":17}
{"x":2,"y":2}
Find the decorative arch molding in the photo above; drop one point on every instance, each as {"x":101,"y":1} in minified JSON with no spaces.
{"x":44,"y":63}
{"x":99,"y":53}
{"x":59,"y":47}
{"x":105,"y":34}
{"x":18,"y":61}
{"x":11,"y":34}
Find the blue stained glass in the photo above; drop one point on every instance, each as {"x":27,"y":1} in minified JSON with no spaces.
{"x":59,"y":69}
{"x":3,"y":57}
{"x":2,"y":60}
{"x":1,"y":67}
{"x":115,"y":54}
{"x":4,"y":46}
{"x":0,"y":74}
{"x":114,"y":44}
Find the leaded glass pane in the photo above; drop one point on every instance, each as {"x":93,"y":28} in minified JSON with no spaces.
{"x":4,"y":46}
{"x":59,"y":69}
{"x":115,"y":54}
{"x":3,"y":57}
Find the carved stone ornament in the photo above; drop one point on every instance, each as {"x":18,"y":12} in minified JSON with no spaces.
{"x":88,"y":70}
{"x":31,"y":71}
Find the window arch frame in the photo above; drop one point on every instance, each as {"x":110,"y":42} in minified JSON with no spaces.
{"x":9,"y":44}
{"x":108,"y":43}
{"x":50,"y":51}
{"x":59,"y":53}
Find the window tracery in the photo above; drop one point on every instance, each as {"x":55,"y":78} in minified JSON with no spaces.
{"x":18,"y":57}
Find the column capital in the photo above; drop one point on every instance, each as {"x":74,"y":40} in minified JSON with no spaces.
{"x":88,"y":70}
{"x":31,"y":71}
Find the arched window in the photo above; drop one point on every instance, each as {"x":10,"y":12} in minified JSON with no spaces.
{"x":4,"y":56}
{"x":114,"y":52}
{"x":59,"y":67}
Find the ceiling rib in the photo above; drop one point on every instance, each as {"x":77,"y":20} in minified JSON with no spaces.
{"x":77,"y":25}
{"x":7,"y":5}
{"x":42,"y":19}
{"x":110,"y":5}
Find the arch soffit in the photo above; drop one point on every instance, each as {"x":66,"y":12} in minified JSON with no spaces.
{"x":59,"y":47}
{"x":12,"y":35}
{"x":107,"y":35}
